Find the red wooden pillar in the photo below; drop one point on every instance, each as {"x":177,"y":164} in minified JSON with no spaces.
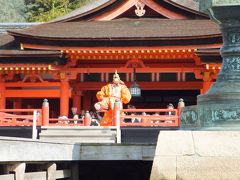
{"x":76,"y":97}
{"x":2,"y":95}
{"x":45,"y":113}
{"x":64,"y":98}
{"x":207,"y":82}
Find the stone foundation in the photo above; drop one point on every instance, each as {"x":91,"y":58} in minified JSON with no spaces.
{"x":197,"y":155}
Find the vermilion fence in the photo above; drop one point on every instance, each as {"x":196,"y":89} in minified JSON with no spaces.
{"x":19,"y":117}
{"x":151,"y":117}
{"x":124,"y":117}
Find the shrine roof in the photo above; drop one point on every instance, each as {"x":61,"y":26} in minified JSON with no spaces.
{"x":122,"y":29}
{"x":31,"y":56}
{"x":210,"y":55}
{"x":95,"y":8}
{"x":208,"y":52}
{"x":31,"y":53}
{"x":7,"y":41}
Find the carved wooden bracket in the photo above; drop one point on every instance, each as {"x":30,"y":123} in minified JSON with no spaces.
{"x":135,"y":63}
{"x":205,"y":75}
{"x":65,"y":75}
{"x":33,"y":78}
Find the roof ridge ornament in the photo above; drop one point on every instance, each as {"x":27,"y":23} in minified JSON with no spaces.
{"x":140,"y":11}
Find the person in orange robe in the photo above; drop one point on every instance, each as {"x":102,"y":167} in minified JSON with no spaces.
{"x":116,"y":90}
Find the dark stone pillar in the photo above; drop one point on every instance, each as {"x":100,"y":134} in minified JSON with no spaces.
{"x":221,"y":104}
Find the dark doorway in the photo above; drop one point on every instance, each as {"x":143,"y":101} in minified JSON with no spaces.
{"x":161,"y":98}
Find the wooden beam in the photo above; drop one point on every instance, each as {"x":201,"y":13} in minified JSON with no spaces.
{"x":34,"y":84}
{"x":54,"y":47}
{"x":153,"y":65}
{"x":146,"y":85}
{"x":49,"y":93}
{"x":129,"y":70}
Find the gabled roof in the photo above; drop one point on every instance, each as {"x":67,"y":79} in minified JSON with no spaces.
{"x":123,"y":29}
{"x":113,"y":9}
{"x":91,"y":33}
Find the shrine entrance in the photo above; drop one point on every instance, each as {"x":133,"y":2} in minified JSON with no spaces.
{"x":161,"y":98}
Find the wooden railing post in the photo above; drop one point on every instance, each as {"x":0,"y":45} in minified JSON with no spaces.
{"x":45,"y":113}
{"x":117,"y":118}
{"x":87,"y":119}
{"x":34,"y":125}
{"x":181,"y":104}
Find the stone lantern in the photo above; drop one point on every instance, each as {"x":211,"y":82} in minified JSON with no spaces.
{"x":221,"y":104}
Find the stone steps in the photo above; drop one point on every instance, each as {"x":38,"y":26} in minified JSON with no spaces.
{"x":78,"y":134}
{"x":78,"y":140}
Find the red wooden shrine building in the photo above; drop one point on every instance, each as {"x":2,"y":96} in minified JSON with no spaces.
{"x":173,"y":47}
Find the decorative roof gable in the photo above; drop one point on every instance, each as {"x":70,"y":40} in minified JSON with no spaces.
{"x":115,"y":9}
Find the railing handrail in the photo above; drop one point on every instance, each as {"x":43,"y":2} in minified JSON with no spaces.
{"x":149,"y":110}
{"x":9,"y":119}
{"x":170,"y":118}
{"x":19,"y":110}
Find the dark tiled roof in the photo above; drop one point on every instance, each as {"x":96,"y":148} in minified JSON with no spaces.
{"x":93,"y":7}
{"x":211,"y":55}
{"x":123,"y":29}
{"x":32,"y":56}
{"x":29,"y":53}
{"x":208,"y":52}
{"x":7,"y":41}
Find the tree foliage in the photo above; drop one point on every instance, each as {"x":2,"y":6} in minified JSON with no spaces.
{"x":12,"y":11}
{"x":46,"y":10}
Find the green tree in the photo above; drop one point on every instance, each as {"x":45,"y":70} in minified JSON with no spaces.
{"x":46,"y":10}
{"x":12,"y":11}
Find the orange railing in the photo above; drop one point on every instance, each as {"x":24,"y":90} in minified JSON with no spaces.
{"x":122,"y":117}
{"x":19,"y":117}
{"x":128,"y":117}
{"x":153,"y":117}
